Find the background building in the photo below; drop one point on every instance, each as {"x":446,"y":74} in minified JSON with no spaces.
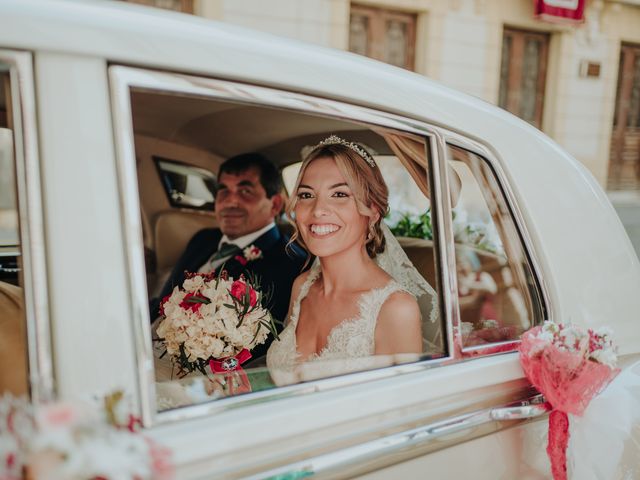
{"x":578,"y":81}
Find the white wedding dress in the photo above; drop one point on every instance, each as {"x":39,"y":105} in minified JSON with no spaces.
{"x":349,"y":347}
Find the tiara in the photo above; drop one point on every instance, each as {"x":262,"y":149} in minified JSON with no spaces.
{"x":336,"y":140}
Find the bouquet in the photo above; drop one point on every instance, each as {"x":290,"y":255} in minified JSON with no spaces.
{"x":72,"y":440}
{"x":569,"y":367}
{"x":214,"y":320}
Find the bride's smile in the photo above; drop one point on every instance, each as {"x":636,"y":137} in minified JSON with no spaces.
{"x":323,"y":230}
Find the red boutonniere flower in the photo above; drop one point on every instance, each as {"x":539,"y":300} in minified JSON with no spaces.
{"x":249,"y":254}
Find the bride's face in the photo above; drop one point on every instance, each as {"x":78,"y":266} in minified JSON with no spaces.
{"x":326,"y":212}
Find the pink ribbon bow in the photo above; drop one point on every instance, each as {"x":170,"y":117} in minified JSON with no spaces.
{"x":230,"y":364}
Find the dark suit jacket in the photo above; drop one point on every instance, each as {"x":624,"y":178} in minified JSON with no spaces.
{"x":276,"y":268}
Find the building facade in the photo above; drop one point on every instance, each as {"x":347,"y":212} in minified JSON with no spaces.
{"x":579,"y":82}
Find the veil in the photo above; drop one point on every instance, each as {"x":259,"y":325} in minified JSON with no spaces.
{"x":396,"y":263}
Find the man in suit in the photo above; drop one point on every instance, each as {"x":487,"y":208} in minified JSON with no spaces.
{"x":248,"y":197}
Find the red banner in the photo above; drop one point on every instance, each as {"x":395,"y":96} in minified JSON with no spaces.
{"x":560,"y":10}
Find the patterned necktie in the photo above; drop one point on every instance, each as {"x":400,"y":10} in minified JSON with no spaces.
{"x":225,"y":250}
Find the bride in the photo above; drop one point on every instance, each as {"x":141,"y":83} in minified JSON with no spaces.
{"x":346,"y":306}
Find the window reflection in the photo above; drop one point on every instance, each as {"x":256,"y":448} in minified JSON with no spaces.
{"x":497,"y":297}
{"x":13,"y":345}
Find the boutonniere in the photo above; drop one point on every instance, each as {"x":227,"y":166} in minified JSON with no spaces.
{"x":249,"y":254}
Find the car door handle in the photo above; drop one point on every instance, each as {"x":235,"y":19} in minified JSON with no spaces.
{"x":393,"y":444}
{"x":521,"y":412}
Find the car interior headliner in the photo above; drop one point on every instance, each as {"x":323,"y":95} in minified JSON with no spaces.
{"x":230,"y":128}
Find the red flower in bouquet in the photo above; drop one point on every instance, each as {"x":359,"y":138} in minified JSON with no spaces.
{"x":240,"y":290}
{"x":569,"y":367}
{"x":193,"y":302}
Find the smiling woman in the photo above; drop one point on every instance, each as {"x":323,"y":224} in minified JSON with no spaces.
{"x":346,"y":307}
{"x":337,"y":212}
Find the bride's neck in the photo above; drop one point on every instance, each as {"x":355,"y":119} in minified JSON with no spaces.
{"x":345,"y":271}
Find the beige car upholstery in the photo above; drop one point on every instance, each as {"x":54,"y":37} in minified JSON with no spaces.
{"x":420,"y":252}
{"x":172,"y":231}
{"x":508,"y":301}
{"x":13,"y":341}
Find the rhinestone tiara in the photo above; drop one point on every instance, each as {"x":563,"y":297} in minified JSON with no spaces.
{"x":336,"y":140}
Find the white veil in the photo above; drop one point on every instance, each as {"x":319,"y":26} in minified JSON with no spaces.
{"x":396,"y":263}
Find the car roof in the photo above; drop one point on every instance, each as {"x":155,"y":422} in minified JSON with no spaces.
{"x":150,"y":37}
{"x":547,"y":178}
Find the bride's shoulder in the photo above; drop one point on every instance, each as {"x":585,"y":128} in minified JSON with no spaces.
{"x":399,"y":310}
{"x":400,"y":302}
{"x":398,"y":326}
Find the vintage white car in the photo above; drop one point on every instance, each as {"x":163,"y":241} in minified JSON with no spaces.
{"x":113,"y":122}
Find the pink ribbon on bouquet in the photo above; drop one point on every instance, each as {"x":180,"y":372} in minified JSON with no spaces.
{"x":232,"y":367}
{"x":230,"y":364}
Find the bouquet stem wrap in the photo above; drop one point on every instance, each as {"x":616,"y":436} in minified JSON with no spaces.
{"x":232,"y":369}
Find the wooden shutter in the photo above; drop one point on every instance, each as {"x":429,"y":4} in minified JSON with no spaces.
{"x":522,"y":74}
{"x":624,"y":156}
{"x":386,"y":35}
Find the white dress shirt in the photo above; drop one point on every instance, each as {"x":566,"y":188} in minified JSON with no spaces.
{"x":241,"y":242}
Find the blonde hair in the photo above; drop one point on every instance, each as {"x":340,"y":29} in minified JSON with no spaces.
{"x":369,"y":189}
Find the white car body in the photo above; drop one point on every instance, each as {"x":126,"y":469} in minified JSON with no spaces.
{"x":84,"y":266}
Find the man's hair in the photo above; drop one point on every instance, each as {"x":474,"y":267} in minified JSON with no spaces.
{"x":270,"y":177}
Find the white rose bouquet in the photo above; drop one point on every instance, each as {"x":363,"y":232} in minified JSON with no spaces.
{"x":213,"y":320}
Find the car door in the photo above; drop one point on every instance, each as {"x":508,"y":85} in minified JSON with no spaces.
{"x":466,"y":401}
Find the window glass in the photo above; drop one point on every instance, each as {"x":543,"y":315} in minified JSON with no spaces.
{"x":183,"y":239}
{"x":187,"y":186}
{"x":13,"y":347}
{"x":497,"y":293}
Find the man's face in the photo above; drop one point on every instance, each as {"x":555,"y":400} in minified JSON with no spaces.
{"x":242,"y":205}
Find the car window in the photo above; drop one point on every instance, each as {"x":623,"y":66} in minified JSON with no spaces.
{"x":13,"y":347}
{"x":231,"y":129}
{"x":187,"y":186}
{"x":497,"y":292}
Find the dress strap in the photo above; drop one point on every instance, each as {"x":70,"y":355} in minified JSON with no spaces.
{"x":314,"y":273}
{"x":372,"y":301}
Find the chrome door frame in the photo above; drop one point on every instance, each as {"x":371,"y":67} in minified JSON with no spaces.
{"x":31,"y":223}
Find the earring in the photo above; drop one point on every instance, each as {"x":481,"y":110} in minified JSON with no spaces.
{"x":371,"y":234}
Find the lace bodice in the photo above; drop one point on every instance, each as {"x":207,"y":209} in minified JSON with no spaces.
{"x":351,"y":341}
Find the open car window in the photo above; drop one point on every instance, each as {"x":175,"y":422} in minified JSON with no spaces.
{"x":210,"y":131}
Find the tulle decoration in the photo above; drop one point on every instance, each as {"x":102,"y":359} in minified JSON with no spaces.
{"x":566,"y":376}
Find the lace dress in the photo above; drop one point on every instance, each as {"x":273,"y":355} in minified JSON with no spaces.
{"x":350,"y":344}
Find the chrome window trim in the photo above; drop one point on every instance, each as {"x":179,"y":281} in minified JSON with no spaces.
{"x":31,"y":223}
{"x":439,"y":183}
{"x":121,"y":79}
{"x":491,"y":157}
